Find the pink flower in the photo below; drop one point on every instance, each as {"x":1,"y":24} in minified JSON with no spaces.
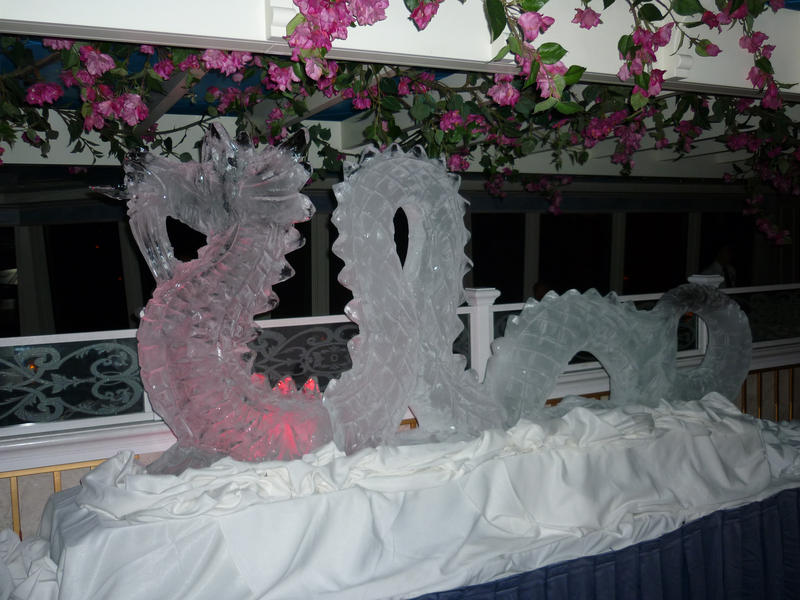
{"x":450,"y":120}
{"x":423,"y":13}
{"x":757,"y":77}
{"x":533,"y":23}
{"x":772,"y":98}
{"x":109,"y":108}
{"x":478,"y":124}
{"x":741,"y":12}
{"x":164,"y":68}
{"x":238,"y":60}
{"x":775,"y":5}
{"x":276,"y":114}
{"x":712,"y":49}
{"x":325,"y":84}
{"x":190,"y":62}
{"x":306,"y":36}
{"x":314,"y":68}
{"x":133,"y":109}
{"x":230,"y":96}
{"x":214,"y":59}
{"x":742,"y":104}
{"x":752,"y":43}
{"x":724,"y":18}
{"x":419,"y":86}
{"x":403,"y":86}
{"x":504,"y":94}
{"x":93,"y":121}
{"x":146,"y":49}
{"x":456,"y":162}
{"x":544,"y":78}
{"x":1,"y":154}
{"x":96,"y":62}
{"x":711,"y":20}
{"x":85,"y":77}
{"x":362,"y":101}
{"x":656,"y":81}
{"x":663,"y":35}
{"x":766,"y":50}
{"x":40,"y":94}
{"x":368,"y":12}
{"x":586,"y":18}
{"x":69,"y":79}
{"x":624,"y":72}
{"x":282,"y":78}
{"x":57,"y":44}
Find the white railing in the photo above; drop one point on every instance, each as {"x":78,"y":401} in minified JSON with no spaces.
{"x":34,"y":444}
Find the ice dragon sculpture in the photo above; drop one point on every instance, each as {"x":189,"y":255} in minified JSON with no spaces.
{"x":193,"y":353}
{"x":637,"y":348}
{"x":407,"y":320}
{"x":403,"y":356}
{"x":197,"y":367}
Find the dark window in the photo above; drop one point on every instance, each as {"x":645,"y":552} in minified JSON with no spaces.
{"x":655,"y":252}
{"x":575,"y":252}
{"x":86,"y":277}
{"x":498,"y":248}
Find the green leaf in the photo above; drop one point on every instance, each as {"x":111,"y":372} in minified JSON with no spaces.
{"x":650,"y":12}
{"x":532,"y":5}
{"x":568,"y":108}
{"x":388,"y":85}
{"x":701,"y":47}
{"x":638,"y":101}
{"x":625,"y":45}
{"x":391,"y":104}
{"x":607,"y":3}
{"x":764,"y":64}
{"x":411,"y":4}
{"x":496,"y":17}
{"x":545,"y":105}
{"x":72,"y":60}
{"x":439,"y":136}
{"x":185,"y":157}
{"x":574,"y":74}
{"x":501,"y":54}
{"x":756,"y":7}
{"x":514,"y":46}
{"x":550,"y":52}
{"x":687,"y":8}
{"x":420,"y":111}
{"x":292,"y":25}
{"x":455,"y":102}
{"x":591,"y":92}
{"x":531,"y":79}
{"x":525,"y":105}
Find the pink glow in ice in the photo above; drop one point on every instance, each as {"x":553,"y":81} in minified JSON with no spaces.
{"x":194,"y":333}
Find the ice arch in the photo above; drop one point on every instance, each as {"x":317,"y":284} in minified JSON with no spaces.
{"x":637,"y":348}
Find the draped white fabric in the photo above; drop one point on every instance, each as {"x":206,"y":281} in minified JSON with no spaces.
{"x":398,"y":522}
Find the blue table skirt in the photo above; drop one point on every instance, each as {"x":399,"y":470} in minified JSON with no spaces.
{"x":751,"y":552}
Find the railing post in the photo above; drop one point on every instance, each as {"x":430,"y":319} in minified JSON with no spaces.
{"x":481,"y":326}
{"x":713,"y":281}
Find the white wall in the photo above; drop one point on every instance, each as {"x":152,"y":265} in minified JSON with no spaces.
{"x":456,"y":38}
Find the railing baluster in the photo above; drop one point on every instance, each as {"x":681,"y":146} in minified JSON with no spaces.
{"x":759,"y":393}
{"x":16,"y":523}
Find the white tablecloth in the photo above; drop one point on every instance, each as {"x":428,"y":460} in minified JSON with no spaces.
{"x":398,"y":522}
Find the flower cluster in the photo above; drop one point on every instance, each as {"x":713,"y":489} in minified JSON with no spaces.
{"x":491,"y":120}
